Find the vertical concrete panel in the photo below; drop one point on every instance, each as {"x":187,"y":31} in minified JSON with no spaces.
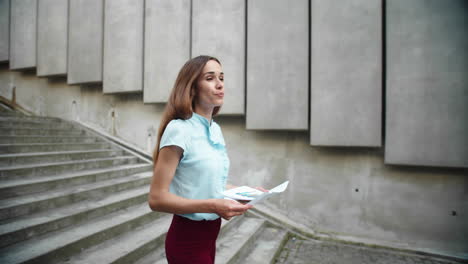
{"x":85,"y":41}
{"x":346,"y":73}
{"x":427,"y":83}
{"x":23,"y":34}
{"x":123,"y":46}
{"x":167,"y":46}
{"x":52,"y":37}
{"x":4,"y":30}
{"x":218,"y":29}
{"x":277,"y":64}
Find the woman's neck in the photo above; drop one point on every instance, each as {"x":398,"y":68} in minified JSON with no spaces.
{"x":206,"y":113}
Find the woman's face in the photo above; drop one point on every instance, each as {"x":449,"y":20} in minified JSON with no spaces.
{"x":210,"y":86}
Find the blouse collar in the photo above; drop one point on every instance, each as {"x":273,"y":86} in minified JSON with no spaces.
{"x":214,"y":133}
{"x":202,"y":119}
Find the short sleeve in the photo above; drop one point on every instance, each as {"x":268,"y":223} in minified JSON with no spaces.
{"x":174,"y":135}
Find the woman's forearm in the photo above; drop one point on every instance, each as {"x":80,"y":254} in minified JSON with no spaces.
{"x":167,"y":202}
{"x":171,"y":203}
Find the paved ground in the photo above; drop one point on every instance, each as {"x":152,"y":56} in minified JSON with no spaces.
{"x":321,"y":252}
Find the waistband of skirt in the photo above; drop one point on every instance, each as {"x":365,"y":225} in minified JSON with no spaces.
{"x":183,"y":219}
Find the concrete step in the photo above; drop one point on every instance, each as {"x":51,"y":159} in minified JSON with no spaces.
{"x":238,"y":241}
{"x":15,"y":123}
{"x":266,"y":248}
{"x":228,"y":226}
{"x":128,"y":247}
{"x":158,"y":255}
{"x":7,"y":111}
{"x":51,"y":147}
{"x":5,"y":131}
{"x":29,"y":226}
{"x":28,"y":204}
{"x":36,"y":125}
{"x":56,"y":247}
{"x":19,"y":187}
{"x":25,"y":118}
{"x":56,"y":168}
{"x":48,"y":139}
{"x":59,"y":156}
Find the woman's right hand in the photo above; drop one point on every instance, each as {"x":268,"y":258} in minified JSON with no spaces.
{"x":229,"y":208}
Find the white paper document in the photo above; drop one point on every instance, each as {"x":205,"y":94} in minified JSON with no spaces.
{"x":246,"y":193}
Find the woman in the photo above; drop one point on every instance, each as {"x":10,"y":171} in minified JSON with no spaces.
{"x":191,"y":165}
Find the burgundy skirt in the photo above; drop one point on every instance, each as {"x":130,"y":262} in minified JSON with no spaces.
{"x":189,"y":241}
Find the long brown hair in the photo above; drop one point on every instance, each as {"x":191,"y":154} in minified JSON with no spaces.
{"x":181,"y":101}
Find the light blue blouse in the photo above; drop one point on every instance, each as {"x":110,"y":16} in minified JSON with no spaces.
{"x":202,"y":172}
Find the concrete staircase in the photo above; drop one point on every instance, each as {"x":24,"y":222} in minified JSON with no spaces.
{"x":69,"y":195}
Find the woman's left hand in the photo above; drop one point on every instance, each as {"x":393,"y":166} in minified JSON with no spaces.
{"x":229,"y":208}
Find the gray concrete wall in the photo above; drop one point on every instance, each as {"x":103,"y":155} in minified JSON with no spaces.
{"x":52,"y":37}
{"x":277,"y":64}
{"x":123,"y":46}
{"x":86,"y":37}
{"x":23,"y":34}
{"x":4,"y":30}
{"x":167,"y":46}
{"x":339,"y":191}
{"x":346,"y":73}
{"x":350,"y":192}
{"x":427,"y":83}
{"x":218,"y":29}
